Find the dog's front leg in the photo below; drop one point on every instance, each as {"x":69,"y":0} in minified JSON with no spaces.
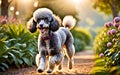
{"x":42,"y":61}
{"x":54,"y":60}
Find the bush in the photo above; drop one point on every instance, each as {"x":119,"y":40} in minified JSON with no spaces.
{"x":17,"y":46}
{"x":81,"y":38}
{"x":100,"y":41}
{"x":79,"y":45}
{"x":108,"y":43}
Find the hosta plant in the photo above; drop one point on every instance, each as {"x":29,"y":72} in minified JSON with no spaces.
{"x":17,"y":46}
{"x":107,"y":44}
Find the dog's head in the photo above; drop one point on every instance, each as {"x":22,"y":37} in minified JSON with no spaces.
{"x":45,"y":20}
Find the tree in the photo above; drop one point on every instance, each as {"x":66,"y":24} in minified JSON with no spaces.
{"x":15,"y":8}
{"x":107,"y":6}
{"x":4,"y":7}
{"x":59,"y":7}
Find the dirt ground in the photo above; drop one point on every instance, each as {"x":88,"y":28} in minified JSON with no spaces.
{"x":84,"y":62}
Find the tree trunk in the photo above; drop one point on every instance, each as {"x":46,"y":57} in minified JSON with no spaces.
{"x":15,"y":8}
{"x":4,"y":8}
{"x":114,"y":9}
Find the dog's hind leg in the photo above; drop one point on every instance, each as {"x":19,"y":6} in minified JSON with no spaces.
{"x":54,"y":60}
{"x":61,"y":64}
{"x":70,"y":51}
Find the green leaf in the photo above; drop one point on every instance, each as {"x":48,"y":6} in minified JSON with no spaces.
{"x":2,"y":68}
{"x":10,"y":40}
{"x":26,"y":60}
{"x":13,"y":56}
{"x":5,"y":56}
{"x":2,"y":45}
{"x":5,"y":65}
{"x":20,"y":61}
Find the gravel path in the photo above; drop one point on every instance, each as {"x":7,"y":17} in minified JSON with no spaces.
{"x":84,"y":62}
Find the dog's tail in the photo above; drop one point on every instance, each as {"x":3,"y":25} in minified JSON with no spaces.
{"x":69,"y":22}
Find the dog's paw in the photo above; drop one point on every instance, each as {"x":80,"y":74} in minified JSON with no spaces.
{"x":49,"y":71}
{"x":59,"y":67}
{"x":70,"y":64}
{"x":40,"y":70}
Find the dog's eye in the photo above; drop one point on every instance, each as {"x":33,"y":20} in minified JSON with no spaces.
{"x":46,"y":19}
{"x":38,"y":20}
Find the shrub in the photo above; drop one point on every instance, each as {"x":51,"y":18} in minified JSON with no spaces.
{"x":101,"y":40}
{"x":108,"y":42}
{"x":81,"y":38}
{"x":17,"y":46}
{"x":79,"y":45}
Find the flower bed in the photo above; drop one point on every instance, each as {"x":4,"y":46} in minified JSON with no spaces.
{"x":107,"y":45}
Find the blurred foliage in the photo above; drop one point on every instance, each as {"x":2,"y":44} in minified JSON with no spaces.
{"x":17,"y":46}
{"x":79,"y":44}
{"x":108,"y":42}
{"x":99,"y":68}
{"x":82,"y":38}
{"x":82,"y":34}
{"x":107,"y":6}
{"x":60,"y":8}
{"x":101,"y":40}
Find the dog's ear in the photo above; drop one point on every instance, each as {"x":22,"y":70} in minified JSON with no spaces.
{"x":31,"y":25}
{"x":55,"y":23}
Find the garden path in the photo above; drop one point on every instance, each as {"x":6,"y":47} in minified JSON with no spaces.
{"x":84,"y":62}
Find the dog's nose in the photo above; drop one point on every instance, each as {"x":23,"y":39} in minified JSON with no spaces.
{"x":41,"y":25}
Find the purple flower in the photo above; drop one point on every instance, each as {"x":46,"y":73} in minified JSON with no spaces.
{"x":116,"y":25}
{"x":108,"y":24}
{"x":101,"y":55}
{"x":119,"y":28}
{"x":3,"y":21}
{"x":116,"y":19}
{"x":113,"y":31}
{"x":109,"y":32}
{"x":109,"y":44}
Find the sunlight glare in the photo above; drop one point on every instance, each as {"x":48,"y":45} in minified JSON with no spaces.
{"x":25,"y":1}
{"x":35,"y":4}
{"x":12,"y":8}
{"x":0,"y":2}
{"x":17,"y":13}
{"x":77,"y":1}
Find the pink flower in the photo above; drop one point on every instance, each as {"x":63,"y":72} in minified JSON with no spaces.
{"x":108,"y":24}
{"x":101,"y":55}
{"x":3,"y":21}
{"x":116,"y":25}
{"x":113,"y":31}
{"x":109,"y":32}
{"x":109,"y":44}
{"x":116,"y":19}
{"x":119,"y":28}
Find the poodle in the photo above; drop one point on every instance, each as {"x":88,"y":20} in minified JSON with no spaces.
{"x":54,"y":41}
